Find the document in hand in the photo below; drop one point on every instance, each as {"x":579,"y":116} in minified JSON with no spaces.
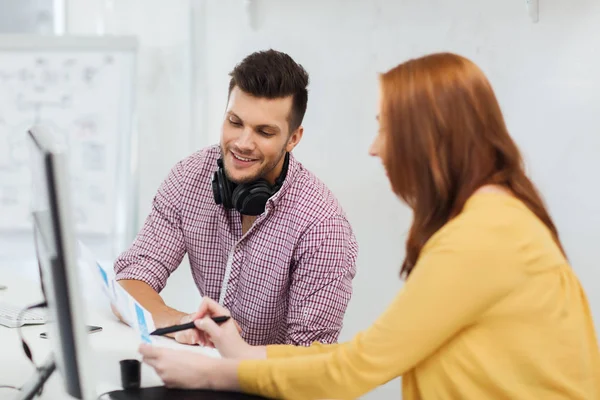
{"x":130,"y":310}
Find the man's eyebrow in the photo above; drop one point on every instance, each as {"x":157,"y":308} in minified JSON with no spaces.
{"x":268,"y":127}
{"x":274,"y":128}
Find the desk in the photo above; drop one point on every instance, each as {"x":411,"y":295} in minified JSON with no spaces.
{"x":115,"y":342}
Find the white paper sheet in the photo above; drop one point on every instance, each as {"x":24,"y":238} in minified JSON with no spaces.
{"x":130,"y":310}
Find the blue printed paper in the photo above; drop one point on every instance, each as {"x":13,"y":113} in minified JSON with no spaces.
{"x":136,"y":316}
{"x":103,"y":274}
{"x":141,"y":320}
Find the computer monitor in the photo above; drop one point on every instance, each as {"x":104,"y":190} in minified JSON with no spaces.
{"x":55,"y":242}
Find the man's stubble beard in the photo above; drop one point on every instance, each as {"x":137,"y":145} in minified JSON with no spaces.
{"x":265,"y":170}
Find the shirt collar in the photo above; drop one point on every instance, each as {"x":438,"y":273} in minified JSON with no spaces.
{"x":293,"y":169}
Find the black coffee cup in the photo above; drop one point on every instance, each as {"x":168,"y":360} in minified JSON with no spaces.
{"x":130,"y":374}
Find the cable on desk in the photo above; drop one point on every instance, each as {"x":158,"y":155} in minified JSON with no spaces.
{"x":24,"y":343}
{"x":38,"y":305}
{"x":9,"y":387}
{"x":26,"y":348}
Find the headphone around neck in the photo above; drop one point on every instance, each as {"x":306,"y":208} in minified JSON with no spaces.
{"x":248,"y":198}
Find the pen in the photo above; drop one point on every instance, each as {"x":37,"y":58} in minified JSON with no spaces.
{"x":189,"y":325}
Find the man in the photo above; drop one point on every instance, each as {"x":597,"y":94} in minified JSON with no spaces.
{"x":265,"y":238}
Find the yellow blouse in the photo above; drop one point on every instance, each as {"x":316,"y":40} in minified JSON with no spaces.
{"x":492,"y":310}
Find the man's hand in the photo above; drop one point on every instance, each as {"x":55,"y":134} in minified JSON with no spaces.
{"x":169,"y":318}
{"x":162,"y":315}
{"x":173,"y":317}
{"x":226,"y":336}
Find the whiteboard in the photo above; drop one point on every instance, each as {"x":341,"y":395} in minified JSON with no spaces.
{"x":82,"y":89}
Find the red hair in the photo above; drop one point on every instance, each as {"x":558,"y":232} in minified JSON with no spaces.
{"x":445,"y":138}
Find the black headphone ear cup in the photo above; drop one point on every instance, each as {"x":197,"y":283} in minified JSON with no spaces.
{"x":216,"y":188}
{"x":225,"y":189}
{"x":221,"y":188}
{"x":251,"y":199}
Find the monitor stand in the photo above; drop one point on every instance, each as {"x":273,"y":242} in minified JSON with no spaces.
{"x":35,"y":384}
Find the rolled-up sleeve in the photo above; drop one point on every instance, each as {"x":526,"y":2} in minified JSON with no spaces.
{"x":321,"y":284}
{"x":159,"y":247}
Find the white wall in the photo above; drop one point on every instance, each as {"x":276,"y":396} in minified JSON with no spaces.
{"x":164,"y":95}
{"x":545,"y":75}
{"x":163,"y":101}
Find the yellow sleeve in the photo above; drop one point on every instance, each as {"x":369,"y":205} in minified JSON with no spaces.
{"x":458,"y":276}
{"x":289,"y":350}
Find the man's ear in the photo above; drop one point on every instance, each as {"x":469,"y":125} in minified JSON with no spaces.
{"x":294,"y":139}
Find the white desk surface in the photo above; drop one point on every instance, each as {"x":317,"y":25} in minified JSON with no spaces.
{"x":115,"y":342}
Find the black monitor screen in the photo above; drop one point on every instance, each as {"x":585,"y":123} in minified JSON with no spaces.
{"x":54,"y":242}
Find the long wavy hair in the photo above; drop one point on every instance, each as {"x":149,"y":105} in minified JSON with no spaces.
{"x":445,"y":138}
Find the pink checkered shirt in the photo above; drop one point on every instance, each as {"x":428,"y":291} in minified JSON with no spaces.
{"x":289,"y":278}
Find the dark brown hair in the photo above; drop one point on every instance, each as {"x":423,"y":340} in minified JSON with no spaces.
{"x":272,"y":74}
{"x":445,"y":138}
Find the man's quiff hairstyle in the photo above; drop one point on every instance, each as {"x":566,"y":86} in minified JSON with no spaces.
{"x":272,"y":74}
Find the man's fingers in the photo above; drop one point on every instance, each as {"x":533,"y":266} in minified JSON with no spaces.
{"x":188,"y":337}
{"x":195,"y":337}
{"x":186,"y":318}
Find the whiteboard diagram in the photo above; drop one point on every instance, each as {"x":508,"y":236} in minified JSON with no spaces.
{"x":82,"y":90}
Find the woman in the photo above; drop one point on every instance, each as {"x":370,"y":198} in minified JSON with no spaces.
{"x":490,"y":308}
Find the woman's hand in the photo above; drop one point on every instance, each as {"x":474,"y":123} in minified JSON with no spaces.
{"x":226,"y":336}
{"x":208,"y":307}
{"x":189,"y":370}
{"x":178,"y":368}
